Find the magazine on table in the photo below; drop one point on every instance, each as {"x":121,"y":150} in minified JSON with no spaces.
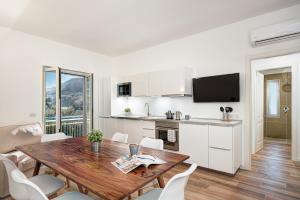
{"x":127,"y":164}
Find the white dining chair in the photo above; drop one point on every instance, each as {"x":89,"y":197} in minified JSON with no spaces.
{"x":174,"y":188}
{"x":27,"y":190}
{"x":120,"y":137}
{"x":152,"y":143}
{"x":50,"y":185}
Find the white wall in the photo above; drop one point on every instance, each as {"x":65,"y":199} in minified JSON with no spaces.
{"x":218,"y":51}
{"x":21,"y":59}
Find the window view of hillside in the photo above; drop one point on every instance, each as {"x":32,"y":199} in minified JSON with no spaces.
{"x":72,"y":103}
{"x":71,"y":95}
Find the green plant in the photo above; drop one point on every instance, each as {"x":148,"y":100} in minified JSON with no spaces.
{"x":95,"y":136}
{"x":127,"y":110}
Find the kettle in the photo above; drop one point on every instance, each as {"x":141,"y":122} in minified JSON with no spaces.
{"x":178,"y":114}
{"x":169,"y":115}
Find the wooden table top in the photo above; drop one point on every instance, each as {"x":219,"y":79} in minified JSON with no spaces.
{"x":73,"y":159}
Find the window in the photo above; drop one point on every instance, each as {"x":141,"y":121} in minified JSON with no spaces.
{"x":273,"y":98}
{"x":67,"y":101}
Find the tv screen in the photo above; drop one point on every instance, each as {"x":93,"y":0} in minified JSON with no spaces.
{"x":222,"y":88}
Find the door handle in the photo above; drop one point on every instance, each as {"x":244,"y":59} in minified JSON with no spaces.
{"x":286,"y":109}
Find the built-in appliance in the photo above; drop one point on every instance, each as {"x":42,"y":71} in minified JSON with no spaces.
{"x":169,"y":133}
{"x":124,"y":89}
{"x":222,"y":88}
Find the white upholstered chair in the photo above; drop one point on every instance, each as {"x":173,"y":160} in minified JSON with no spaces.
{"x":152,"y":143}
{"x":174,"y":188}
{"x":27,"y":190}
{"x":120,"y":137}
{"x":50,"y":185}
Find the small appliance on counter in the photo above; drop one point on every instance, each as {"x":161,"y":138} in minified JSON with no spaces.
{"x":169,"y":114}
{"x":187,"y":117}
{"x":178,"y":115}
{"x":226,"y":112}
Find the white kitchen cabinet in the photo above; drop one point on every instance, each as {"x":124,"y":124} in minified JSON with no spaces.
{"x":225,"y":148}
{"x":193,"y":141}
{"x":139,"y":85}
{"x":156,"y":81}
{"x":220,"y":137}
{"x":136,"y":129}
{"x":176,"y":81}
{"x":109,"y":126}
{"x":147,"y":129}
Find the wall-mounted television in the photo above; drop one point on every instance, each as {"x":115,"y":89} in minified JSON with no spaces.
{"x":221,"y":88}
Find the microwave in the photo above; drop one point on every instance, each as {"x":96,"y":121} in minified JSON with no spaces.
{"x":124,"y":89}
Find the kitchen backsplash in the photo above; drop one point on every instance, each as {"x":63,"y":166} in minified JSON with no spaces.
{"x":160,"y":105}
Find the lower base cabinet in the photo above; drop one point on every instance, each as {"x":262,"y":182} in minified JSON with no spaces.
{"x":210,"y":146}
{"x":193,"y":141}
{"x":136,"y":129}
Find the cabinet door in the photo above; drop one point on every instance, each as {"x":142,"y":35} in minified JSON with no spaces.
{"x":147,"y":129}
{"x":174,"y":81}
{"x":193,"y":141}
{"x":131,"y":127}
{"x":156,"y":83}
{"x":220,"y":137}
{"x":139,"y":84}
{"x":109,"y":126}
{"x":221,"y":160}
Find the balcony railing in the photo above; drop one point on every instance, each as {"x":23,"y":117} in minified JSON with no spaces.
{"x":71,"y":125}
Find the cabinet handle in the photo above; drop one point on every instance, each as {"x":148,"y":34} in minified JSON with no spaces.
{"x":220,"y":148}
{"x":150,"y":129}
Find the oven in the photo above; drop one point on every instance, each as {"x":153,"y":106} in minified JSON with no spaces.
{"x":168,"y":131}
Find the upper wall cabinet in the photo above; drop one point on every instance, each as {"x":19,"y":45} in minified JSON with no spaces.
{"x":139,"y":85}
{"x":171,"y":82}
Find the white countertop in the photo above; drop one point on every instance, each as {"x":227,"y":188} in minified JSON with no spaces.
{"x":206,"y":121}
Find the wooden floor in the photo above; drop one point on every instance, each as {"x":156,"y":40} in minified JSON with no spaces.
{"x":273,"y":176}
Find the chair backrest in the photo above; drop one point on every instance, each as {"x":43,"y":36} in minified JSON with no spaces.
{"x":152,"y":143}
{"x":120,"y":137}
{"x":16,"y":190}
{"x":176,"y":185}
{"x":32,"y":191}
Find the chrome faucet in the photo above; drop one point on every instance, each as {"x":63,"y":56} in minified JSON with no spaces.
{"x":148,"y":109}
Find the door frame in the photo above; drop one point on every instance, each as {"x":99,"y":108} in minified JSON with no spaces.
{"x":277,"y":62}
{"x":59,"y":71}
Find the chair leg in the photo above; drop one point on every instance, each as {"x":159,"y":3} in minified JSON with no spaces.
{"x":161,"y":181}
{"x":140,"y":192}
{"x":68,"y":182}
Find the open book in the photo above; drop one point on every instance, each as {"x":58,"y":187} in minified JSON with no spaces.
{"x":127,"y":164}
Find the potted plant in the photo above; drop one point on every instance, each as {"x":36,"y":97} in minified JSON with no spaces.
{"x":127,"y":111}
{"x":95,"y":138}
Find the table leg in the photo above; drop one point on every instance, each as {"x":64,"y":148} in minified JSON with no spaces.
{"x":37,"y":168}
{"x":161,"y":181}
{"x":82,"y":190}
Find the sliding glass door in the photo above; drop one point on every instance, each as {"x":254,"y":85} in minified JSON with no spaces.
{"x":68,"y":101}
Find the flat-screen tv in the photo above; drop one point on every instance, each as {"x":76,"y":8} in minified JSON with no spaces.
{"x":221,"y":88}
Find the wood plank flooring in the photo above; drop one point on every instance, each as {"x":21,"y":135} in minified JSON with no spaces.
{"x":273,"y":177}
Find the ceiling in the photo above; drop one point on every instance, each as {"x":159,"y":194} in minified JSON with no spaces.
{"x":116,"y":27}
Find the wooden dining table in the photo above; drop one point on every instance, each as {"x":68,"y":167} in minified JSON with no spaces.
{"x":94,"y":172}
